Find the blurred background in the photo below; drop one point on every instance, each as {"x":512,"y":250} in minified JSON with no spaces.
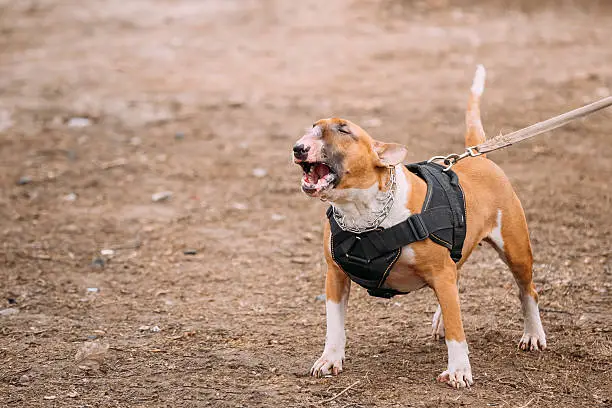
{"x":156,"y":248}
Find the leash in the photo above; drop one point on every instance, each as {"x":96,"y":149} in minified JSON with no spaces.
{"x":501,"y":141}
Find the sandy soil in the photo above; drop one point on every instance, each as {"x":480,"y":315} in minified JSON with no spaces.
{"x":201,"y":98}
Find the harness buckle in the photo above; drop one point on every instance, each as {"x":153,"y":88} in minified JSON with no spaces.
{"x":354,"y":258}
{"x":417,"y":226}
{"x":357,"y":259}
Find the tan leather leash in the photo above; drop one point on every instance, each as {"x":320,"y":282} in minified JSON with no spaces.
{"x":501,"y":141}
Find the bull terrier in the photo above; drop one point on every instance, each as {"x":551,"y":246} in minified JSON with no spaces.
{"x":369,"y":188}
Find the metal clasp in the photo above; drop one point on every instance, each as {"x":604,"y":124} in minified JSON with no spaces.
{"x":453,"y":158}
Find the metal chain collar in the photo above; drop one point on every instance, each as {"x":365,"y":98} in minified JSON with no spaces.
{"x":379,"y":215}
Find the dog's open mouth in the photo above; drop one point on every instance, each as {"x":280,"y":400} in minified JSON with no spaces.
{"x":318,"y":176}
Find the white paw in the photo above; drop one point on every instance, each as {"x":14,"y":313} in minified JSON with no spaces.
{"x":533,"y":342}
{"x":459,"y":378}
{"x":533,"y":338}
{"x":459,"y":372}
{"x":330,"y":363}
{"x":437,"y":325}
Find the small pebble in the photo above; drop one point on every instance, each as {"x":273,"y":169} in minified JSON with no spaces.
{"x":70,"y":197}
{"x":79,"y":122}
{"x":144,"y":328}
{"x":236,"y":101}
{"x":179,"y":136}
{"x":23,"y":180}
{"x":239,"y":206}
{"x":277,"y":217}
{"x":5,"y":120}
{"x":259,"y":172}
{"x":93,"y":290}
{"x":161,"y":196}
{"x":72,"y":394}
{"x":92,"y":337}
{"x":190,"y":252}
{"x":320,"y":298}
{"x":98,"y":263}
{"x":49,"y":397}
{"x":155,"y":329}
{"x":9,"y":311}
{"x":24,"y":379}
{"x":107,"y":252}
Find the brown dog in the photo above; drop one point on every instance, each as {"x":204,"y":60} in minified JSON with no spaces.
{"x":345,"y":166}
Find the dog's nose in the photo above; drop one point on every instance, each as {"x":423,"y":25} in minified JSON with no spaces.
{"x":300,"y":151}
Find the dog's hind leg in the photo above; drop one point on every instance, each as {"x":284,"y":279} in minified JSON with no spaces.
{"x":510,"y":238}
{"x":437,"y":324}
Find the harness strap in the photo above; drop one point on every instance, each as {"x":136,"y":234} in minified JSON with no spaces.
{"x":367,"y":258}
{"x":417,"y":227}
{"x":457,"y":217}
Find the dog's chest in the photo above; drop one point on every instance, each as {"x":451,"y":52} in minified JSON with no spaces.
{"x":403,"y":277}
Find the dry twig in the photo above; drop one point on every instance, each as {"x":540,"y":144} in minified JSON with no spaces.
{"x":340,"y":393}
{"x":527,"y":404}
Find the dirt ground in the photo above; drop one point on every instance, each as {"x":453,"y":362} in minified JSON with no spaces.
{"x":105,"y":103}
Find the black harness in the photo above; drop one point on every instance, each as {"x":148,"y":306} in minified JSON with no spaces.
{"x":367,"y":258}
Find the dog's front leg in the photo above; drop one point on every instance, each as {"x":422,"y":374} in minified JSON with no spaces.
{"x":459,"y":372}
{"x":337,"y":287}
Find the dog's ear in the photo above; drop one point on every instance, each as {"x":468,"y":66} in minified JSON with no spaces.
{"x":390,"y":154}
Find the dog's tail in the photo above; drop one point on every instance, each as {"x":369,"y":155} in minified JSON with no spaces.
{"x":474,"y":133}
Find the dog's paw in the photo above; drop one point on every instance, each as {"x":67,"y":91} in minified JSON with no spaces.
{"x":330,"y":363}
{"x":437,"y":325}
{"x":459,"y":371}
{"x":458,"y":378}
{"x":533,"y":342}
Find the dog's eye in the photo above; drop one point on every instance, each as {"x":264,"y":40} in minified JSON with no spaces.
{"x":344,"y":129}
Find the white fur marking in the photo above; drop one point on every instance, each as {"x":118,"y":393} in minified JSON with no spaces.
{"x":399,"y":211}
{"x":496,"y":233}
{"x":316,"y":131}
{"x":408,"y":256}
{"x":358,"y":204}
{"x":335,"y":340}
{"x":533,"y":335}
{"x":437,"y":324}
{"x":459,"y":372}
{"x":479,"y":80}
